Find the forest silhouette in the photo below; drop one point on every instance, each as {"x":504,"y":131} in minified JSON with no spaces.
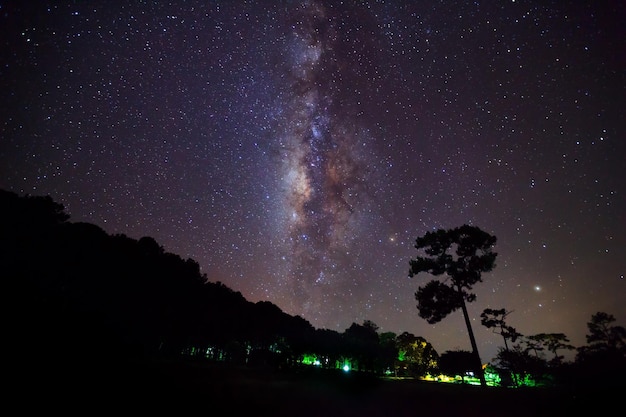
{"x":86,"y":306}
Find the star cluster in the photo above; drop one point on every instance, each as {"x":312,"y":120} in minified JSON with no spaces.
{"x":297,"y":149}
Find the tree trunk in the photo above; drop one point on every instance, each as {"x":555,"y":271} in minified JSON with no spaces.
{"x":479,"y":364}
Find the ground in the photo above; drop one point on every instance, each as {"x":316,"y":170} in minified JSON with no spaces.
{"x":192,"y":388}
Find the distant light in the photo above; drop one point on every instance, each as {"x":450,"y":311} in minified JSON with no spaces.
{"x":346,"y":368}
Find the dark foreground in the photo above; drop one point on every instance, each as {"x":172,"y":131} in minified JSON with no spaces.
{"x":201,"y":389}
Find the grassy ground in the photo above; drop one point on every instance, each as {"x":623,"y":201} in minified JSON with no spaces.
{"x":199,"y":389}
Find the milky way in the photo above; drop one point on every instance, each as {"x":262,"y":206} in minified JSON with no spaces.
{"x":324,"y":170}
{"x":296,"y":149}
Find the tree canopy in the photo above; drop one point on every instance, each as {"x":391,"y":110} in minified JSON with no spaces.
{"x":461,"y":254}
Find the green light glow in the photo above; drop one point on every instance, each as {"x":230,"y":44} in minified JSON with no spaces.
{"x":308,"y":359}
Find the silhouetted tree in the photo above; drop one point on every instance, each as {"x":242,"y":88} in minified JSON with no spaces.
{"x":604,"y":335}
{"x":299,"y":336}
{"x":553,"y":342}
{"x":457,"y":362}
{"x":30,"y":213}
{"x":494,"y":319}
{"x":518,"y":363}
{"x":328,"y":344}
{"x":462,"y":254}
{"x":388,"y":350}
{"x":605,"y":352}
{"x":362,"y":344}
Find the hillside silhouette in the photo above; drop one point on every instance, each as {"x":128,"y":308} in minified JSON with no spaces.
{"x":82,"y":292}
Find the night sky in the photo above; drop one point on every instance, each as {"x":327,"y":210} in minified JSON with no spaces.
{"x":296,"y":150}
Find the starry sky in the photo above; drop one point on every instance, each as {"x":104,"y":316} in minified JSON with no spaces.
{"x":296,"y":149}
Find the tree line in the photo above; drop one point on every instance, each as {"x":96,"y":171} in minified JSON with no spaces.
{"x":78,"y":295}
